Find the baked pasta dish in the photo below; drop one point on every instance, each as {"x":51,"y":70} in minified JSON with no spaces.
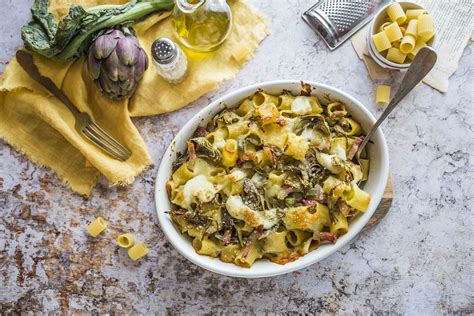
{"x":273,"y":178}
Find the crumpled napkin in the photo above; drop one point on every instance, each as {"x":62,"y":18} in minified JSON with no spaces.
{"x":40,"y":126}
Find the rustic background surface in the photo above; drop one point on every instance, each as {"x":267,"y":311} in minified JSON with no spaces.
{"x":418,"y":260}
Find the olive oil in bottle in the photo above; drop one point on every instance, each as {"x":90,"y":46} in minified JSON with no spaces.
{"x":202,"y":25}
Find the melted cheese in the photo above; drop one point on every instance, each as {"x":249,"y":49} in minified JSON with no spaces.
{"x":237,"y":209}
{"x":237,"y":175}
{"x":300,"y":218}
{"x":327,"y":162}
{"x":340,"y":152}
{"x":219,"y":144}
{"x":301,"y":105}
{"x":198,"y":189}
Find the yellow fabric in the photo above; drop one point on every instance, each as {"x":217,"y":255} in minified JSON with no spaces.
{"x":39,"y":125}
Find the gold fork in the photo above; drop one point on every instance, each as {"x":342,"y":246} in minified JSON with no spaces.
{"x":84,"y":125}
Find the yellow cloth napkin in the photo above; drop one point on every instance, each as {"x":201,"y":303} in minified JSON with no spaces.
{"x":39,"y":125}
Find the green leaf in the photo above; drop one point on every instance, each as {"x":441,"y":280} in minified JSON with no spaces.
{"x":72,"y":36}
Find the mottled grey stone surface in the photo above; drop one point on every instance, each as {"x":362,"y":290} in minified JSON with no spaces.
{"x":418,"y":260}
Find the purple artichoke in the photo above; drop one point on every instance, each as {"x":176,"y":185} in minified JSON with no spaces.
{"x":116,"y":63}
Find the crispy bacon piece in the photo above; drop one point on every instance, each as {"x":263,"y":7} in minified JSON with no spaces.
{"x":255,"y":234}
{"x":326,"y":236}
{"x":250,"y":156}
{"x":285,"y":192}
{"x":191,"y":152}
{"x":200,"y":132}
{"x":354,"y":147}
{"x":227,"y":236}
{"x":325,"y":145}
{"x":309,"y":202}
{"x":282,"y":121}
{"x":343,"y":207}
{"x":305,"y":88}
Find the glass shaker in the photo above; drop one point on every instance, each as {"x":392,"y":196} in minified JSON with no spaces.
{"x":170,"y":61}
{"x":201,"y":25}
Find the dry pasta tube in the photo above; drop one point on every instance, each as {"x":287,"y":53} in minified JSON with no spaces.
{"x":396,"y":14}
{"x":137,"y":251}
{"x":393,"y":32}
{"x":125,"y":240}
{"x":383,"y":26}
{"x":414,"y":13}
{"x":425,"y":27}
{"x":382,"y":94}
{"x":408,"y":44}
{"x":396,"y":56}
{"x":381,"y":41}
{"x":96,"y":227}
{"x":418,"y":45}
{"x":412,"y":28}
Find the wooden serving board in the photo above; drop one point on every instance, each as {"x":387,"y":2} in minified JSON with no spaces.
{"x":384,"y":205}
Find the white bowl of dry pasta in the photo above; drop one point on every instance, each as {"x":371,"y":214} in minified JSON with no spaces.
{"x":397,"y":32}
{"x":263,"y":182}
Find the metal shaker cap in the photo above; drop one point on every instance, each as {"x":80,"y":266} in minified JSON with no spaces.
{"x":164,"y":50}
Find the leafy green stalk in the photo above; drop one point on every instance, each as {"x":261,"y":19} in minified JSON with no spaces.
{"x":75,"y":32}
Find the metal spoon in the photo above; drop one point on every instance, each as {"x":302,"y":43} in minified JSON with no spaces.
{"x":419,"y":68}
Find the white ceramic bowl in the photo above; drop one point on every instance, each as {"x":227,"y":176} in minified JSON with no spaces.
{"x":377,"y":180}
{"x":378,"y":20}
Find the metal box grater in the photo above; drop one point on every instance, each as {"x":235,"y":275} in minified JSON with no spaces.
{"x":336,"y":20}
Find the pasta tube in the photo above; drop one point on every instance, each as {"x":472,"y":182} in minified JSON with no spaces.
{"x":383,"y":26}
{"x":395,"y":55}
{"x":247,"y":261}
{"x":96,"y":227}
{"x":357,"y":198}
{"x":138,"y":251}
{"x":237,"y":129}
{"x":381,"y":41}
{"x":285,"y":101}
{"x":393,"y":32}
{"x":276,"y":242}
{"x":351,"y":127}
{"x":418,"y":45}
{"x":230,"y":252}
{"x":336,"y":109}
{"x":261,"y":98}
{"x":245,"y":107}
{"x":396,"y":14}
{"x":268,"y":113}
{"x":125,"y":240}
{"x":382,"y":95}
{"x":365,"y":168}
{"x":412,"y":28}
{"x":339,"y":147}
{"x":230,"y":153}
{"x":207,"y":246}
{"x":339,"y":224}
{"x":408,"y":44}
{"x":425,"y":27}
{"x":414,"y":13}
{"x":296,"y":237}
{"x":296,"y":146}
